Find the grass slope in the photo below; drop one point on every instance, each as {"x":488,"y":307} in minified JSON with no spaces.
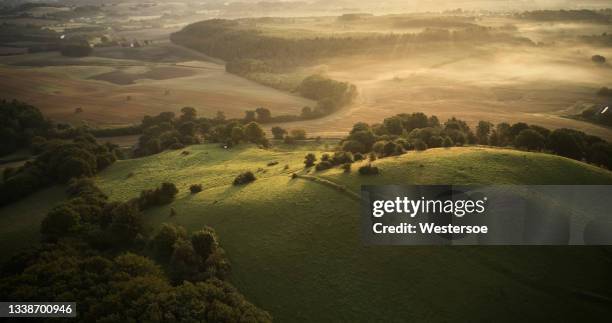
{"x":20,"y":221}
{"x":296,"y":249}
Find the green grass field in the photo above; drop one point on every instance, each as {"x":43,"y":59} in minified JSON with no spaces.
{"x":296,"y":251}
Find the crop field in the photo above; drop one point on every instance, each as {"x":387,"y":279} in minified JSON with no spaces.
{"x":122,"y":90}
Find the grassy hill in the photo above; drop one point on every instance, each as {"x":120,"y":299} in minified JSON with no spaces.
{"x":296,"y":249}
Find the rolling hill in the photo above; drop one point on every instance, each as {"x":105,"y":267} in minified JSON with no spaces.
{"x":296,"y":249}
{"x":295,"y":243}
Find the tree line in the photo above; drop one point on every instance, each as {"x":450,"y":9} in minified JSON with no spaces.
{"x":417,"y":131}
{"x":61,"y":152}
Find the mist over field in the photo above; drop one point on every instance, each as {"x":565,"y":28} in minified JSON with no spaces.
{"x":202,"y":161}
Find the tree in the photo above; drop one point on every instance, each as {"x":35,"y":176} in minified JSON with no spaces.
{"x":205,"y":242}
{"x":298,"y":134}
{"x":365,"y":137}
{"x":249,"y":116}
{"x":448,"y":142}
{"x":278,"y":132}
{"x":237,"y":135}
{"x":188,"y":114}
{"x":163,"y":242}
{"x":530,"y":139}
{"x":253,"y":133}
{"x":601,"y":154}
{"x":263,"y":115}
{"x":126,"y":223}
{"x":482,"y":132}
{"x":564,"y":143}
{"x":60,"y":221}
{"x":354,"y":146}
{"x":394,"y":125}
{"x":310,"y":160}
{"x":420,"y":145}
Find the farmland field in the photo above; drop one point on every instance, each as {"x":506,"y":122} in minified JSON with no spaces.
{"x":60,"y":85}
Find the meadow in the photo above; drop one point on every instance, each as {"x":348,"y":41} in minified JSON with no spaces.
{"x":294,"y":243}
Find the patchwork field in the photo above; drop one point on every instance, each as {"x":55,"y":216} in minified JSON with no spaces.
{"x":122,"y":90}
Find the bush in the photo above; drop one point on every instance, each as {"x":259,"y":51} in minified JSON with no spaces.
{"x":347,"y":167}
{"x":195,"y":188}
{"x":358,"y":156}
{"x":598,"y":59}
{"x":244,"y":178}
{"x":342,"y":157}
{"x":160,"y":196}
{"x":310,"y":160}
{"x":368,"y":170}
{"x":323,"y":165}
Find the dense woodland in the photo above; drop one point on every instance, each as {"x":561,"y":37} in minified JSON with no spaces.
{"x":99,"y":253}
{"x":233,"y":40}
{"x":61,"y":152}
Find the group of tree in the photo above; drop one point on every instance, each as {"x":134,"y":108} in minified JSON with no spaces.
{"x":195,"y":258}
{"x":248,"y":50}
{"x":96,"y":252}
{"x":288,"y":137}
{"x":20,"y":123}
{"x":59,"y":161}
{"x":166,"y":131}
{"x":76,"y":48}
{"x":417,"y":131}
{"x":327,"y":161}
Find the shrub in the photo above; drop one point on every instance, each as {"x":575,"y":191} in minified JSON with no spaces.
{"x":244,"y":178}
{"x":598,"y":59}
{"x":195,"y":188}
{"x":310,"y":160}
{"x":160,"y":196}
{"x":358,"y":156}
{"x":347,"y":167}
{"x":368,"y":170}
{"x":323,"y":165}
{"x":342,"y":157}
